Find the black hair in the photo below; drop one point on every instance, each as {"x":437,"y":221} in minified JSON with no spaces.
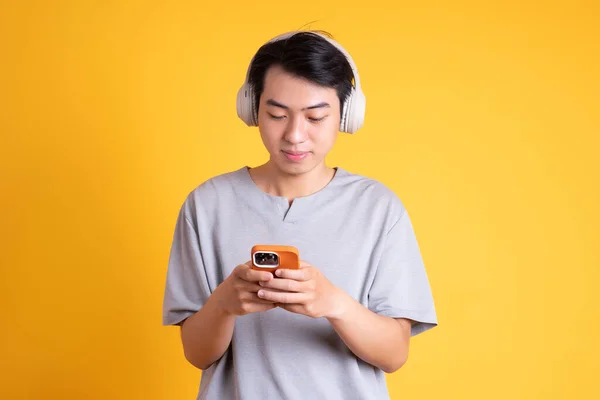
{"x":308,"y":56}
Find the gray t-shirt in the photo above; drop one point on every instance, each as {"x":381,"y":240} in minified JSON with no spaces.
{"x":355,"y":230}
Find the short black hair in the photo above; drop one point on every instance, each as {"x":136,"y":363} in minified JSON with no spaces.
{"x":307,"y":55}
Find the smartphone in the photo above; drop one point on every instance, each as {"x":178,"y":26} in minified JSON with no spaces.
{"x":270,"y":258}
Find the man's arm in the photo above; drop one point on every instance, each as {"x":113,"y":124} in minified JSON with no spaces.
{"x":206,"y":335}
{"x":379,"y":340}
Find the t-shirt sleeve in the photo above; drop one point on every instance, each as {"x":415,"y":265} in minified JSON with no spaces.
{"x":401,"y":286}
{"x":187,"y":288}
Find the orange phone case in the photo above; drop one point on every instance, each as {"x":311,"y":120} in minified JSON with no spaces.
{"x":289,"y":257}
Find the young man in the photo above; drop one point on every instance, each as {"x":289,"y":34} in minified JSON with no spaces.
{"x":332,"y":329}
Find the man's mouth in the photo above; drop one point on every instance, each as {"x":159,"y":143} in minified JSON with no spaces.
{"x":296,"y":155}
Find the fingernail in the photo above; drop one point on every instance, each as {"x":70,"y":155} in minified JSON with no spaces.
{"x":278,"y":273}
{"x":261,"y":293}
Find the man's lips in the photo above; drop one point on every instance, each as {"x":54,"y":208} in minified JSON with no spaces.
{"x":295,"y":155}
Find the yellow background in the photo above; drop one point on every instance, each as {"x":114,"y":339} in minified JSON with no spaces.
{"x":484,"y":119}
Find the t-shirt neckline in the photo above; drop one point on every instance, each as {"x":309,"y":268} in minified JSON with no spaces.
{"x":300,"y":206}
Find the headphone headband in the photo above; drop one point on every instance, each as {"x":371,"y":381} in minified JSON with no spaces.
{"x":353,"y":109}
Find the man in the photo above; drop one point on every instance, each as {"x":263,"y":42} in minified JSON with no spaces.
{"x":332,"y":329}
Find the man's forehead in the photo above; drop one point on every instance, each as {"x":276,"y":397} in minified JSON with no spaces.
{"x":284,"y":88}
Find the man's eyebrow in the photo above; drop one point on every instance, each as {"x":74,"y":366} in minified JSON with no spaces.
{"x":320,"y":105}
{"x":274,"y":103}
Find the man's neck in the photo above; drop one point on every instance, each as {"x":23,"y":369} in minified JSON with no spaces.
{"x":275,"y":182}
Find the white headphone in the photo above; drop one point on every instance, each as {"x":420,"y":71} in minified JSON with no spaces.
{"x":353,"y":109}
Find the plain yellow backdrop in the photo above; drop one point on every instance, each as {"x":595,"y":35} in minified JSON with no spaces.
{"x":482,"y":116}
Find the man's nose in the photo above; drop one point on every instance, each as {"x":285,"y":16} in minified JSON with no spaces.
{"x":296,"y":130}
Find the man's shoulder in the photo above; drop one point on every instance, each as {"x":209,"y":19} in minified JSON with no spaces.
{"x":216,"y":182}
{"x":374,"y":191}
{"x":214,"y":189}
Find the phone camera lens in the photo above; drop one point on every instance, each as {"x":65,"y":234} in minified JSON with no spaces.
{"x":270,"y":259}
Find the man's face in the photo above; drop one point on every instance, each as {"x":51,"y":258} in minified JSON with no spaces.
{"x":298,"y":121}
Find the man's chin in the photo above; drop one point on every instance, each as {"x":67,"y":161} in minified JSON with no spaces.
{"x":295,"y":169}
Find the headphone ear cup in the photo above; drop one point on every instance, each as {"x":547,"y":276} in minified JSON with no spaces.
{"x":346,"y":112}
{"x":245,"y":105}
{"x":355,"y":111}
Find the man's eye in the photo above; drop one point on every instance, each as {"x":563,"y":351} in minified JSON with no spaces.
{"x":317,"y":119}
{"x":277,"y":116}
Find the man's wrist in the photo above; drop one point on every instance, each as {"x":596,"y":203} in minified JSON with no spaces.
{"x":217,"y":304}
{"x":343,"y":306}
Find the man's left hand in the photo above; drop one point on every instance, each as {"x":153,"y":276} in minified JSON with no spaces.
{"x":304,"y":291}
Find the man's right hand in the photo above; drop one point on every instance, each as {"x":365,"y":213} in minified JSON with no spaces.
{"x":237,"y":294}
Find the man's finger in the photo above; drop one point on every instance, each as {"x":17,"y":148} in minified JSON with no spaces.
{"x":252,"y":287}
{"x":303,"y":274}
{"x":248,"y":274}
{"x":284,"y":285}
{"x":283,"y":297}
{"x":257,"y":300}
